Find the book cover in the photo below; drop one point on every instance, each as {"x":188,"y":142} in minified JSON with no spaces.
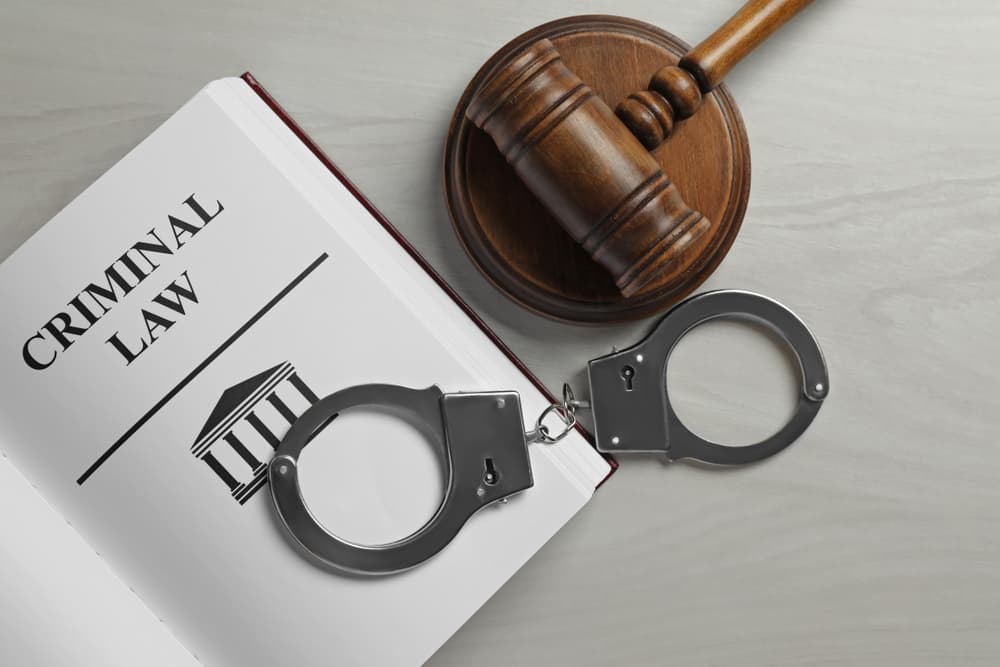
{"x":165,"y":329}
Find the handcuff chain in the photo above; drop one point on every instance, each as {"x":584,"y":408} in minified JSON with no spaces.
{"x":565,"y":410}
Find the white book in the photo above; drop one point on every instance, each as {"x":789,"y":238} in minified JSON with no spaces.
{"x":158,"y":335}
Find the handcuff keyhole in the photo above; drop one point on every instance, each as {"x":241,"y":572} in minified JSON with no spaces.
{"x":491,"y":476}
{"x":628,"y":373}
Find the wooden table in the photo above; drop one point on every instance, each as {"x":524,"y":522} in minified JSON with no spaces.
{"x":874,"y":213}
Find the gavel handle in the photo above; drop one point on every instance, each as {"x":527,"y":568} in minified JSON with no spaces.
{"x":675,"y":92}
{"x":757,"y":20}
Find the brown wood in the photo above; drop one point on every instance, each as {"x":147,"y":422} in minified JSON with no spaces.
{"x":676,"y":91}
{"x":585,"y":166}
{"x":512,"y":236}
{"x":757,"y":20}
{"x":590,"y":169}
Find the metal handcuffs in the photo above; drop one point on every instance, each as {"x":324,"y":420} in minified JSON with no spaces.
{"x":481,"y":441}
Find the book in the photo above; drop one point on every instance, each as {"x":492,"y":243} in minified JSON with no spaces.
{"x":160,"y":334}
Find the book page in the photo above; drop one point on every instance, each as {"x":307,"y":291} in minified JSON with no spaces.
{"x":161,"y":334}
{"x":62,"y":605}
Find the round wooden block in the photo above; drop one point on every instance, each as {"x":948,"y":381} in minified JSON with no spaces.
{"x":517,"y":243}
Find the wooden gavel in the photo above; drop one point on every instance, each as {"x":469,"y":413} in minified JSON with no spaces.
{"x":591,"y":169}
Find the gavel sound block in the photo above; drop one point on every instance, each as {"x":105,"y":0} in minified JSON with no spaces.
{"x":586,"y":216}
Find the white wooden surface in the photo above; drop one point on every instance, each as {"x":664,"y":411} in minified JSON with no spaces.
{"x":874,"y":214}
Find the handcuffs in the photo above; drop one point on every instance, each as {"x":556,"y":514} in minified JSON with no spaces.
{"x":481,"y":441}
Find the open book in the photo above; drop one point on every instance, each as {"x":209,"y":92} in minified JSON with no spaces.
{"x":158,"y":337}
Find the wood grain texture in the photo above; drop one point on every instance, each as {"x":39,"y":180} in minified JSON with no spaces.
{"x":666,"y":217}
{"x":591,"y":173}
{"x":713,"y":57}
{"x":676,"y":91}
{"x":874,"y":540}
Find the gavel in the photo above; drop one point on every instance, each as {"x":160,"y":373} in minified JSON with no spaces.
{"x":591,"y":168}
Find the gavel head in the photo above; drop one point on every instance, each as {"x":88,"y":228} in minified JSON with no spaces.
{"x":586,"y":167}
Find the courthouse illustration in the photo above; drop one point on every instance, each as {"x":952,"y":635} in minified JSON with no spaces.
{"x":247,"y":424}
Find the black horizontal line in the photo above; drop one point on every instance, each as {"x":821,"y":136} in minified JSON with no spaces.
{"x":199,"y":368}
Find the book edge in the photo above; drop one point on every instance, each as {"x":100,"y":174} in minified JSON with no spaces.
{"x":286,"y":118}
